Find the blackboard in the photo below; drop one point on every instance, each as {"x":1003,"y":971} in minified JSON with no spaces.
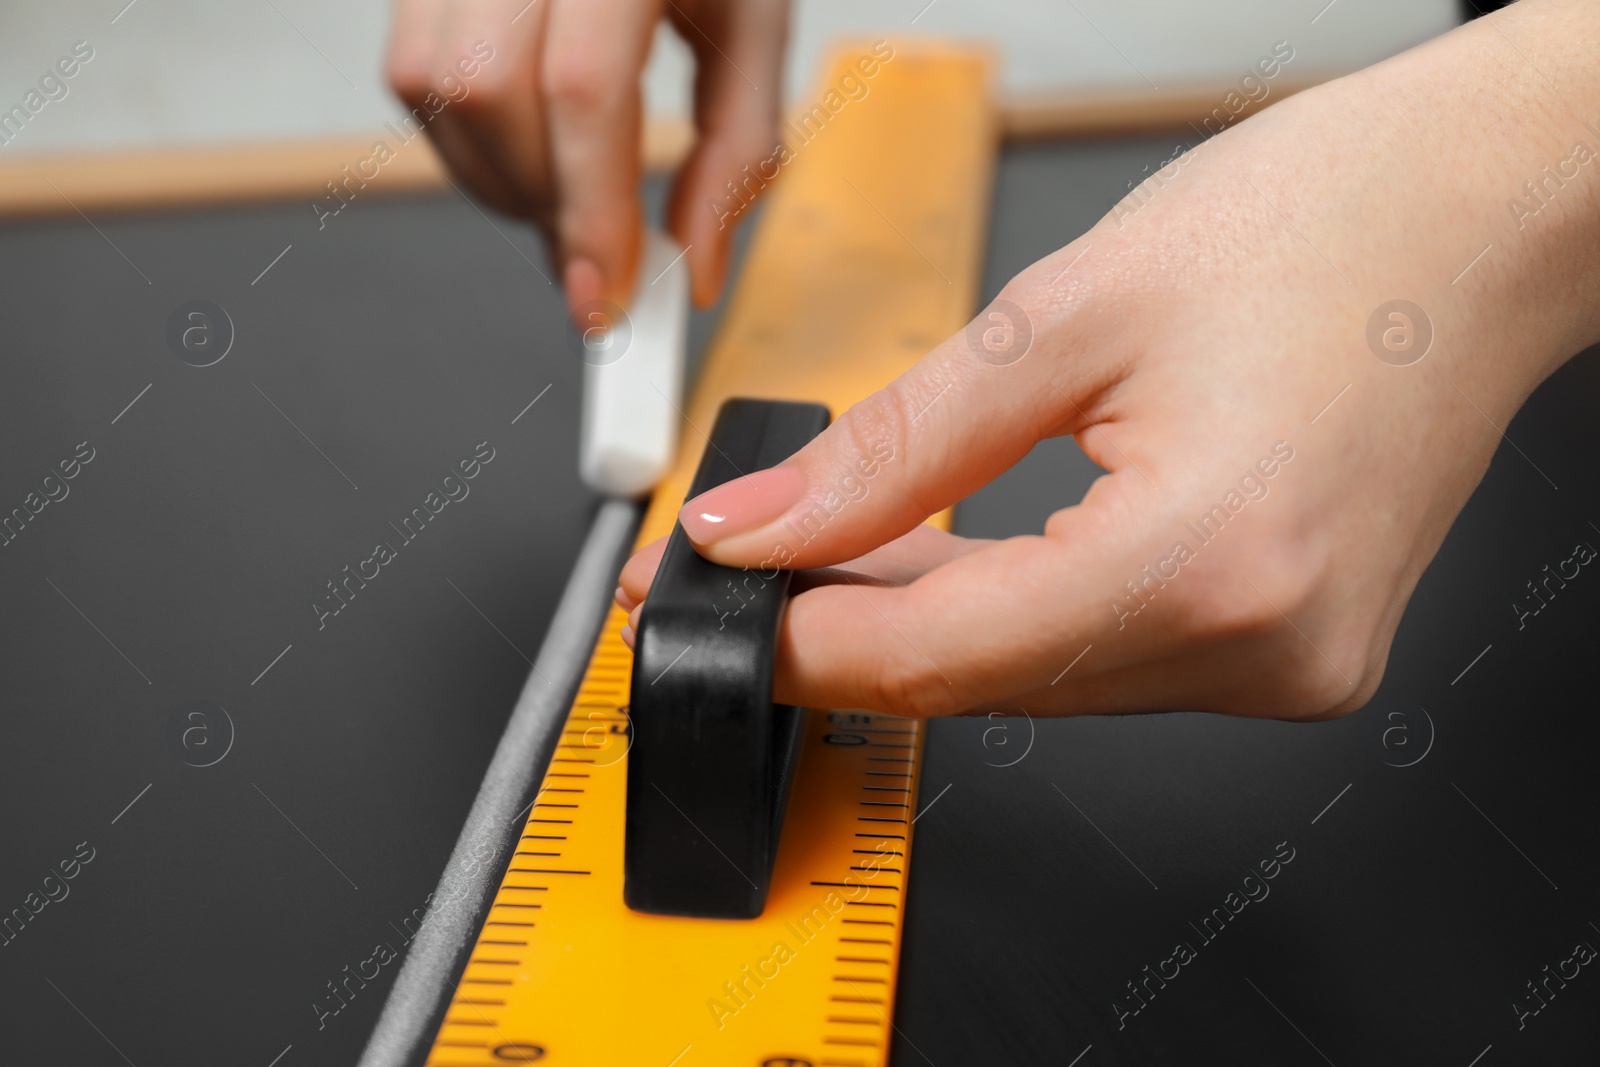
{"x":226,"y":867}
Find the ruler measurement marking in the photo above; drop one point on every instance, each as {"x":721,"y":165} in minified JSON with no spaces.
{"x":863,"y":769}
{"x":849,"y":885}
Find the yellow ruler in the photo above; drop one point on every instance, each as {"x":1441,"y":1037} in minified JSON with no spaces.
{"x":867,"y":256}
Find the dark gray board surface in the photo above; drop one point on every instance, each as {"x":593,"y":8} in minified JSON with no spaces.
{"x":189,"y":551}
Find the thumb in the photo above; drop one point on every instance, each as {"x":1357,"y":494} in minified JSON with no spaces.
{"x":960,"y":417}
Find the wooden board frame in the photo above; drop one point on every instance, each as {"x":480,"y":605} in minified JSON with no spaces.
{"x":153,"y":179}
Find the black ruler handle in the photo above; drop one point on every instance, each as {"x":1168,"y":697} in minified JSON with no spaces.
{"x":709,"y":768}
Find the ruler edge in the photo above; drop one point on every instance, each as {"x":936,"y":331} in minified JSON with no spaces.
{"x":417,"y":1003}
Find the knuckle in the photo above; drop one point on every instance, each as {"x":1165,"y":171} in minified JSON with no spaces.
{"x":882,"y":415}
{"x":754,"y":146}
{"x":915,"y":693}
{"x":1322,"y":672}
{"x":1371,"y":659}
{"x":490,"y":96}
{"x":1262,"y":582}
{"x":752,"y":165}
{"x":574,"y":80}
{"x":1227,"y":611}
{"x":496,"y":92}
{"x":1314,"y":660}
{"x":1095,"y":275}
{"x":877,"y":426}
{"x":410,"y":82}
{"x":910,"y":686}
{"x":1309,"y":687}
{"x":607,"y":237}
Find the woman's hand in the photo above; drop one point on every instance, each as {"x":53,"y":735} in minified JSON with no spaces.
{"x":1276,"y":484}
{"x":549,"y":128}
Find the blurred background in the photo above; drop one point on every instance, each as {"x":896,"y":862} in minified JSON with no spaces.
{"x":193,"y":71}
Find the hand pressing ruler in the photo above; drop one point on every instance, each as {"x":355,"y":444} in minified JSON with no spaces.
{"x":867,"y":256}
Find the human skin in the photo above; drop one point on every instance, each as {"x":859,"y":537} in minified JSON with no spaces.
{"x":1178,"y":346}
{"x":551,"y":128}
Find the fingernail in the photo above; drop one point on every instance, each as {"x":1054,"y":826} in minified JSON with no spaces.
{"x":584,"y":285}
{"x":624,"y":601}
{"x":627,"y":636}
{"x":741,"y":505}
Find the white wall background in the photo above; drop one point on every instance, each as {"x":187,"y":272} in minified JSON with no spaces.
{"x":177,"y":71}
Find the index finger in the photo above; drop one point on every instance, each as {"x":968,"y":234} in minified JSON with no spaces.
{"x":595,"y":53}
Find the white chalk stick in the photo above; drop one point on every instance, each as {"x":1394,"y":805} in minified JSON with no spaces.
{"x":633,"y":378}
